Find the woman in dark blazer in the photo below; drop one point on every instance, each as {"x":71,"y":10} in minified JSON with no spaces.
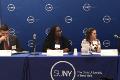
{"x":54,"y":38}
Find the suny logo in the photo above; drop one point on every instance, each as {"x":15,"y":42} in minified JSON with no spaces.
{"x":11,"y":7}
{"x":63,"y":70}
{"x":30,"y":19}
{"x":87,"y":7}
{"x":48,"y":7}
{"x":106,"y":43}
{"x":107,"y":19}
{"x":68,"y":19}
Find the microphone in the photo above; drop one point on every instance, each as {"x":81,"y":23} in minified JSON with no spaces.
{"x":34,"y":42}
{"x":116,"y":36}
{"x":34,"y":36}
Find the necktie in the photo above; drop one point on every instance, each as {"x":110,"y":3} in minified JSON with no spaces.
{"x":6,"y":46}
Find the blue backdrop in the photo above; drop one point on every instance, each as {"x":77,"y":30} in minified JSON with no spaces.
{"x":26,"y":17}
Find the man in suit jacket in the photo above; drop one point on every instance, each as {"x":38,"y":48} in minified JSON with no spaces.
{"x":7,"y":41}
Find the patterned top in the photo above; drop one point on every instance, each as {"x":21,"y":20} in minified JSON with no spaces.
{"x":93,"y":45}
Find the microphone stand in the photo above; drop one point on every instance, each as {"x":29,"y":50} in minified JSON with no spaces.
{"x":34,"y":42}
{"x":119,"y":45}
{"x":34,"y":45}
{"x":118,"y":38}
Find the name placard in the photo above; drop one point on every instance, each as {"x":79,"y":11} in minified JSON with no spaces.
{"x":5,"y":52}
{"x":54,"y":52}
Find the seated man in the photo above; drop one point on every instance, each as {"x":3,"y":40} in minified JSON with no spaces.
{"x":7,"y":41}
{"x":54,"y":38}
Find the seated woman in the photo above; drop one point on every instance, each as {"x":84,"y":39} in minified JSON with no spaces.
{"x":56,"y":41}
{"x":91,"y":42}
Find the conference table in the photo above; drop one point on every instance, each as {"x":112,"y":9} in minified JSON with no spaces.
{"x":27,"y":66}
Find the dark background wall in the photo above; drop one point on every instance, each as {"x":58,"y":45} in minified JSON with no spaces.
{"x":26,"y":17}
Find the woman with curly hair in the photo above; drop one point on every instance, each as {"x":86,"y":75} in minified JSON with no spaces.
{"x":56,"y":41}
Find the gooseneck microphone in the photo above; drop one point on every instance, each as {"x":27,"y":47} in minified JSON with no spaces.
{"x":34,"y":42}
{"x":116,"y":36}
